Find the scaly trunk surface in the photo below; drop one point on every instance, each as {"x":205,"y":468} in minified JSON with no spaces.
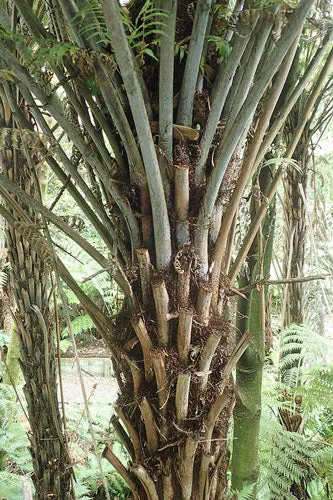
{"x":34,"y":329}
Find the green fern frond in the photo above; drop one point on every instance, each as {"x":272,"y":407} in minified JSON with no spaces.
{"x":3,"y":278}
{"x":287,"y":459}
{"x":79,"y":324}
{"x":245,"y":494}
{"x":89,"y":21}
{"x":301,"y":346}
{"x":7,"y":406}
{"x":11,"y":486}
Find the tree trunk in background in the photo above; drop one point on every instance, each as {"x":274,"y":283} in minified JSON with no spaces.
{"x":295,"y":216}
{"x":34,"y":328}
{"x":251,"y":314}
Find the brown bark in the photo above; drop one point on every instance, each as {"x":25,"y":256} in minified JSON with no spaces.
{"x":295,"y":215}
{"x":34,"y":326}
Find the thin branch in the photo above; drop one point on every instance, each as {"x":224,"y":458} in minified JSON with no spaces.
{"x":267,"y":281}
{"x":262,"y":31}
{"x":120,"y":120}
{"x":123,"y":436}
{"x":102,"y":322}
{"x":100,"y":166}
{"x":31,"y":19}
{"x":53,"y":104}
{"x":116,"y":463}
{"x":284,"y":112}
{"x":61,"y":224}
{"x":131,"y":431}
{"x":247,"y":168}
{"x":106,"y":227}
{"x":252,"y":231}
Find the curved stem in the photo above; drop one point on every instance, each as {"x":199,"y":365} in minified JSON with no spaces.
{"x":186,"y":99}
{"x":233,"y":134}
{"x":166,"y":86}
{"x":222,"y":84}
{"x":125,"y":61}
{"x":146,"y":481}
{"x":116,"y":463}
{"x":247,"y":168}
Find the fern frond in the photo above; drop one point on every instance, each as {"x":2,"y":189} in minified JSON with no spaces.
{"x":11,"y":486}
{"x":3,"y":278}
{"x":79,"y":324}
{"x":301,"y":346}
{"x":287,"y":459}
{"x":7,"y":405}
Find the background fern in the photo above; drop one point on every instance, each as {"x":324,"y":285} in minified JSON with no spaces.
{"x":79,"y":324}
{"x":304,"y":458}
{"x":11,"y":485}
{"x":300,"y":349}
{"x":289,"y":458}
{"x":148,"y":24}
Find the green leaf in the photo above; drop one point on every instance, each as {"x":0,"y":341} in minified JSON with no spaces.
{"x":79,"y":324}
{"x":221,"y":45}
{"x":150,"y":53}
{"x":65,"y":345}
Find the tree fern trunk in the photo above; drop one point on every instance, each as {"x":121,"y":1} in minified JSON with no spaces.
{"x":34,"y":328}
{"x":295,"y":214}
{"x":172,"y":344}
